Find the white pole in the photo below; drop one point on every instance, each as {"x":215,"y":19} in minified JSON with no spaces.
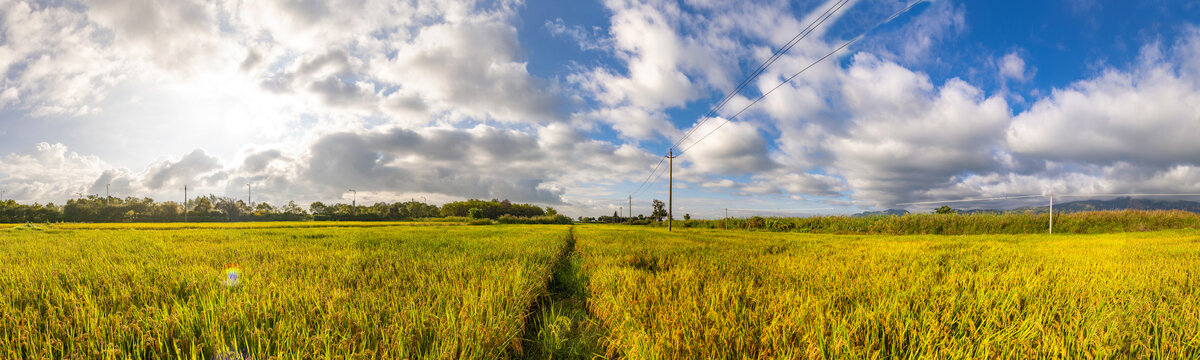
{"x":1052,"y":211}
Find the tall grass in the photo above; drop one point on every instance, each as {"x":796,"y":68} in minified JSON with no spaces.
{"x":703,"y":294}
{"x":948,"y":224}
{"x":303,"y":293}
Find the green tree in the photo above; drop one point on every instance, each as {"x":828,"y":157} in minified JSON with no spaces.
{"x":549,"y":211}
{"x":317,"y":208}
{"x":687,"y":216}
{"x":202,"y":205}
{"x":660,"y":210}
{"x":292,"y":208}
{"x":264,"y":207}
{"x":945,"y":210}
{"x":475,"y":213}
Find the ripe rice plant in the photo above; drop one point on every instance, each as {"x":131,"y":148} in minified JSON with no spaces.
{"x":271,"y":293}
{"x":1091,"y":222}
{"x":703,"y":294}
{"x":247,"y":225}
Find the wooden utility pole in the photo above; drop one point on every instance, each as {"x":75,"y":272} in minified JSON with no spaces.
{"x":185,"y":203}
{"x":630,"y":208}
{"x":671,"y":189}
{"x":1051,"y":211}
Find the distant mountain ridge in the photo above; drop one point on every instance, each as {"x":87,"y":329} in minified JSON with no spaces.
{"x":1120,"y":203}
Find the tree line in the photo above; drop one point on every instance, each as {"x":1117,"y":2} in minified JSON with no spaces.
{"x":213,"y":208}
{"x":658,"y":212}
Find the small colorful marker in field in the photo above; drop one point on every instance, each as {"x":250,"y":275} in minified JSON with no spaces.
{"x":233,"y":275}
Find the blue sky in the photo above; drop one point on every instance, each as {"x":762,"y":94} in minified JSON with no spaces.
{"x":572,"y":103}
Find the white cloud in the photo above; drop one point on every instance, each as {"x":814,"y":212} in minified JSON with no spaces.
{"x":53,"y":63}
{"x":917,"y":40}
{"x":585,"y":38}
{"x":645,"y":38}
{"x":387,"y":162}
{"x":179,"y":172}
{"x":175,"y":35}
{"x":632,"y":122}
{"x":906,"y":136}
{"x":470,"y":68}
{"x":48,"y":172}
{"x":732,"y":148}
{"x":1012,"y":67}
{"x":1149,"y":115}
{"x":396,"y":98}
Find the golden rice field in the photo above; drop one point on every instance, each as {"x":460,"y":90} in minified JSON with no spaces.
{"x":300,"y":293}
{"x":397,"y":291}
{"x":700,"y":294}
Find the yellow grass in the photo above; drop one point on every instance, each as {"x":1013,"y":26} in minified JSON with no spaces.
{"x":303,"y":293}
{"x":729,"y":294}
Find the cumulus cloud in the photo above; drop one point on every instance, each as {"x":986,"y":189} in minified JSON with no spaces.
{"x":1147,"y":116}
{"x":418,"y":60}
{"x":632,"y":122}
{"x":469,"y":68}
{"x":178,"y":172}
{"x":732,"y":148}
{"x":905,"y":136}
{"x":481,"y":162}
{"x":940,"y":21}
{"x":587,"y":39}
{"x":436,"y":98}
{"x":57,"y":67}
{"x":177,"y":35}
{"x":1012,"y":66}
{"x":48,"y":172}
{"x":668,"y":57}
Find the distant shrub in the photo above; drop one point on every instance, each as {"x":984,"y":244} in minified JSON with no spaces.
{"x":545,"y":219}
{"x":481,"y":222}
{"x":756,"y":222}
{"x":475,"y":213}
{"x":461,"y":219}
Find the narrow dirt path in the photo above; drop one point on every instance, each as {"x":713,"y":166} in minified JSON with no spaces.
{"x":559,"y":325}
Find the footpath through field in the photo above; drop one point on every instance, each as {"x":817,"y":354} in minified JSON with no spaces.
{"x":590,"y":291}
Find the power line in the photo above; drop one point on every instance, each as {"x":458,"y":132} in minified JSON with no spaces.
{"x":754,"y":75}
{"x":660,"y":162}
{"x":789,"y":79}
{"x":808,"y":30}
{"x":656,"y":177}
{"x":763,"y":67}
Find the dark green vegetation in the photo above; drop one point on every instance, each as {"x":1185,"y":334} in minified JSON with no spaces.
{"x":954,"y":224}
{"x":494,"y":209}
{"x":222,"y":209}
